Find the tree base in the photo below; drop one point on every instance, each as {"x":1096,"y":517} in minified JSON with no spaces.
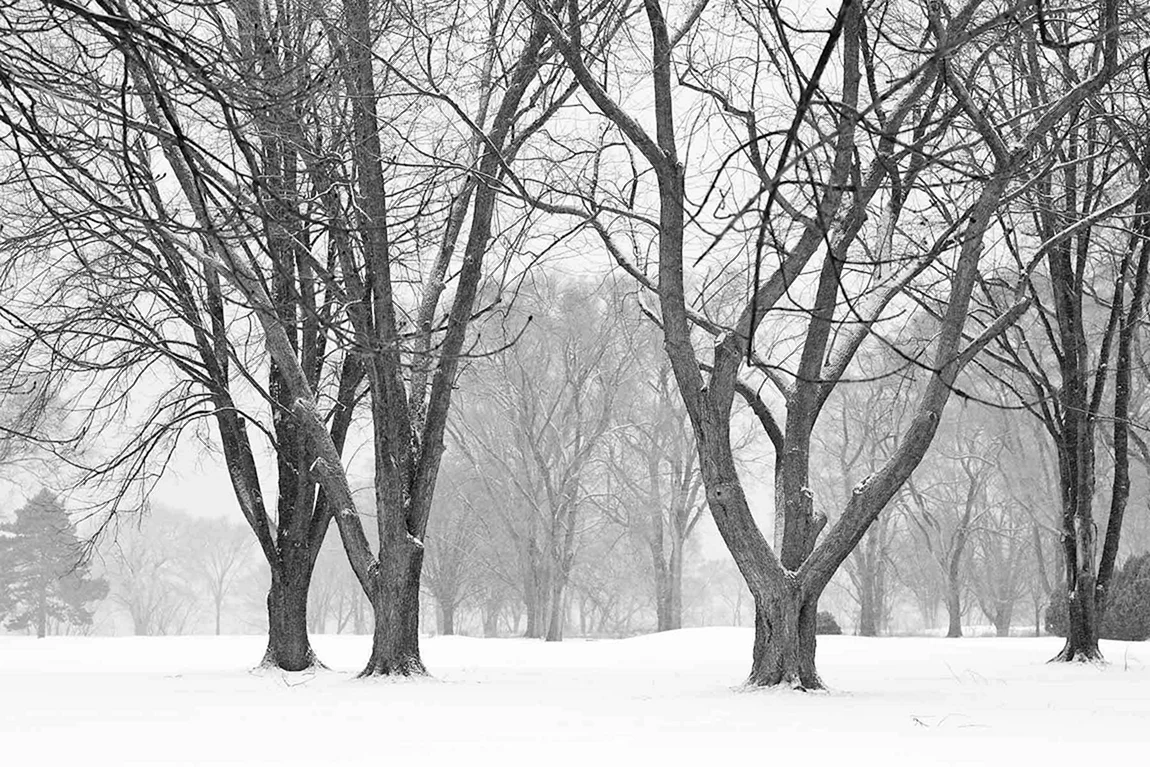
{"x":769,"y":682}
{"x":783,"y":654}
{"x":402,"y":667}
{"x":759,"y":683}
{"x":1072,"y":654}
{"x":309,"y":662}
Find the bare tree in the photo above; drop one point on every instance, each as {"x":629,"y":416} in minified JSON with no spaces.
{"x":141,"y":264}
{"x":866,"y":420}
{"x":610,"y":586}
{"x":285,"y":210}
{"x":148,"y":566}
{"x":453,"y":546}
{"x":536,"y":429}
{"x":220,"y":552}
{"x":1003,"y":558}
{"x":1086,"y":214}
{"x":946,"y":507}
{"x":663,"y":501}
{"x":885,"y":133}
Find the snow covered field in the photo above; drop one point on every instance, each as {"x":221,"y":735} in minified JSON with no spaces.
{"x":662,"y":699}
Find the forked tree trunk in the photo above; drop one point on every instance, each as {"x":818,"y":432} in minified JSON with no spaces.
{"x":395,"y":599}
{"x":784,"y":649}
{"x":288,"y":645}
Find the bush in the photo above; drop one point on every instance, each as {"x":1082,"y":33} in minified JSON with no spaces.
{"x":825,"y":623}
{"x":1127,"y":610}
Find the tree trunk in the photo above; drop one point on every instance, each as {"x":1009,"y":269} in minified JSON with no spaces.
{"x":445,"y":618}
{"x":219,"y":607}
{"x":288,"y":645}
{"x":662,"y":590}
{"x":1078,"y":547}
{"x":395,"y":599}
{"x":1003,"y":615}
{"x":784,"y":649}
{"x":675,"y":601}
{"x":558,"y":612}
{"x":868,"y":623}
{"x":358,"y":621}
{"x":953,"y":608}
{"x":491,"y":608}
{"x":1082,"y":629}
{"x":491,"y":623}
{"x":42,"y":615}
{"x":532,"y":630}
{"x":534,"y":597}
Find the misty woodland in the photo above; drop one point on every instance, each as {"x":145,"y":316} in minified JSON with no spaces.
{"x":558,"y":319}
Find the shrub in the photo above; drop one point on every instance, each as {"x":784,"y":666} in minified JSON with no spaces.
{"x":1127,"y":609}
{"x":825,"y":623}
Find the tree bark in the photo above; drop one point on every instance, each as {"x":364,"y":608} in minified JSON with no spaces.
{"x":558,"y":611}
{"x":395,"y":600}
{"x":784,"y":649}
{"x":534,"y":597}
{"x":1082,"y":629}
{"x":532,"y":629}
{"x":1078,"y":546}
{"x":954,"y":578}
{"x":289,"y":647}
{"x":675,"y":598}
{"x":953,"y":608}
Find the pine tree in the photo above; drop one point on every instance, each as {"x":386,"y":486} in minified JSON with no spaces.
{"x":41,"y":575}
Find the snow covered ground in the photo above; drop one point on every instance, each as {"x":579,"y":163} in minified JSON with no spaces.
{"x":663,"y":699}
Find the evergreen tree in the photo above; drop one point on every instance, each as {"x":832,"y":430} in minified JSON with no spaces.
{"x":41,"y":575}
{"x":1126,"y":612}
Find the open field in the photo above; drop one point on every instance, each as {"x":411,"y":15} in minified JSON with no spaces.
{"x":671,"y":698}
